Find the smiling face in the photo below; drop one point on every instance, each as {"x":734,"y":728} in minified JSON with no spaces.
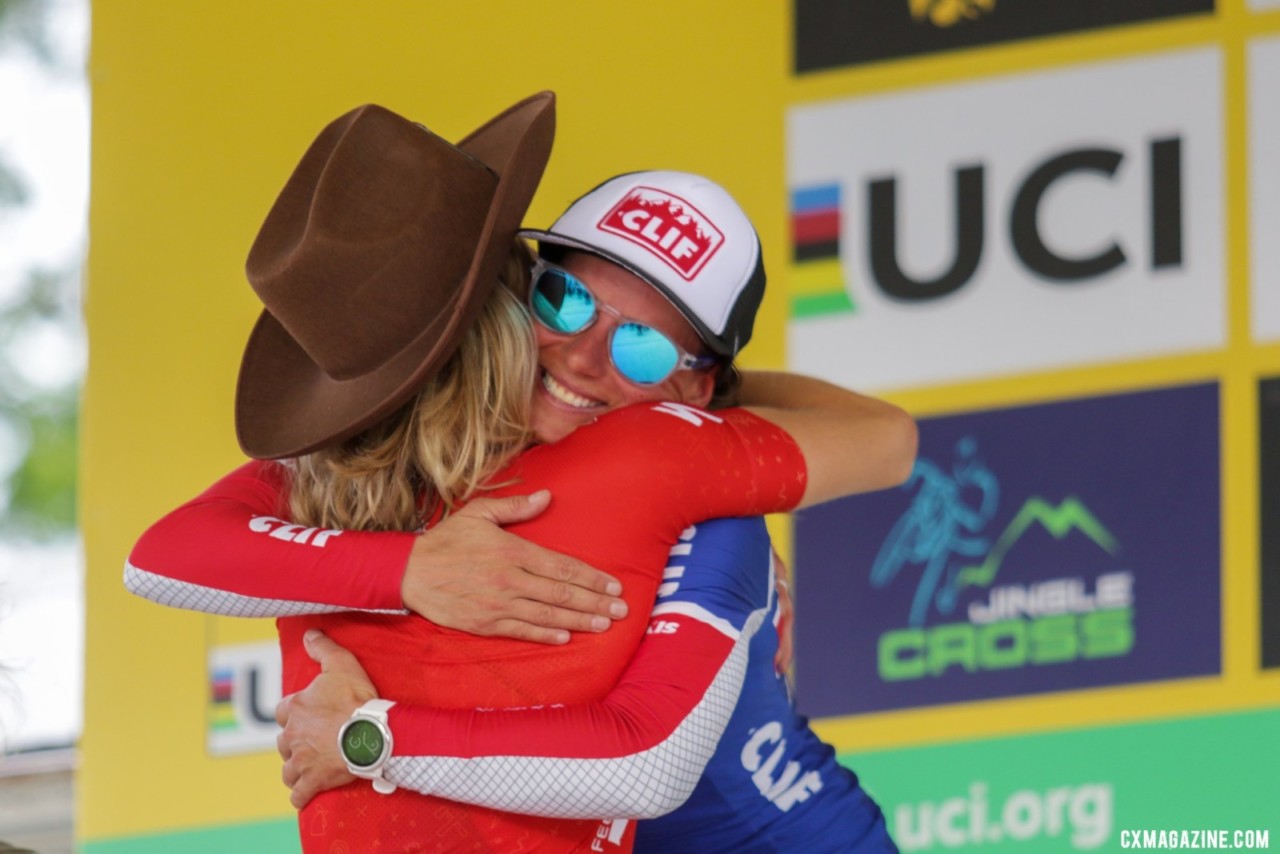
{"x":577,"y":382}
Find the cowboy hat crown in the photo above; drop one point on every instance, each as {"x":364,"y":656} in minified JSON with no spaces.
{"x":373,"y":261}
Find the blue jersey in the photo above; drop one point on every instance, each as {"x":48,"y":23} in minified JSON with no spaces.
{"x":772,"y":784}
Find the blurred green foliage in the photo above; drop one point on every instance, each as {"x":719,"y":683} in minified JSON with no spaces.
{"x":38,"y":419}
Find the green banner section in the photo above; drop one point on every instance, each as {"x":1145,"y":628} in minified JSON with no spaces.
{"x":278,"y":837}
{"x":1216,"y":778}
{"x":1211,"y":782}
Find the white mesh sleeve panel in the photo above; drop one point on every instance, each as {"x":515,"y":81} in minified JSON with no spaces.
{"x":646,"y":784}
{"x":210,"y":600}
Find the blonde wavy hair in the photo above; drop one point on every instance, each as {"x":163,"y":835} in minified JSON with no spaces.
{"x":462,"y":426}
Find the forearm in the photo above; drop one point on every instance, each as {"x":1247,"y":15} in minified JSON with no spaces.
{"x":636,"y":753}
{"x":852,"y":443}
{"x":228,"y":552}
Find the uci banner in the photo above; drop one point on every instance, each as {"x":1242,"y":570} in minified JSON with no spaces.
{"x":1014,"y":224}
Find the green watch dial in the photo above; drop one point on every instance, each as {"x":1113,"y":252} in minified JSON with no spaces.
{"x":362,"y":743}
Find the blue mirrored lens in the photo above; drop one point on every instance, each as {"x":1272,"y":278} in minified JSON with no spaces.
{"x":561,"y":302}
{"x":642,"y":354}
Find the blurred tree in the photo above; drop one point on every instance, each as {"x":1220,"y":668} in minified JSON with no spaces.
{"x":19,"y":26}
{"x":38,"y":415}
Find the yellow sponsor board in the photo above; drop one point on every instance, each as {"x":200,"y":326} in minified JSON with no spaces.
{"x":200,"y":112}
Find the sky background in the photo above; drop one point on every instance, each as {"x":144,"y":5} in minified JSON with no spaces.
{"x":44,"y":137}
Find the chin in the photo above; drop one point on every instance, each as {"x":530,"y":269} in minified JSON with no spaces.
{"x":554,"y":428}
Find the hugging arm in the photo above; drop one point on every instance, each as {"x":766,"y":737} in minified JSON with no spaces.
{"x":851,"y":443}
{"x":638,"y":752}
{"x":231,"y":551}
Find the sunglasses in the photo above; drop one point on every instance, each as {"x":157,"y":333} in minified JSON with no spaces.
{"x":563,"y":303}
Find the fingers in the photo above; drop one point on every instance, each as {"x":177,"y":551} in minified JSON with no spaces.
{"x":282,"y":710}
{"x":305,"y":780}
{"x":540,"y":623}
{"x":326,"y":652}
{"x":545,"y":611}
{"x":290,"y":774}
{"x":565,"y":605}
{"x":520,"y":630}
{"x":509,"y":510}
{"x":302,"y":791}
{"x":284,"y":749}
{"x":569,"y":571}
{"x":470,"y":575}
{"x":307,"y":772}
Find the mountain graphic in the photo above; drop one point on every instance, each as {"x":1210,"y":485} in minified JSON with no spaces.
{"x":1068,"y":516}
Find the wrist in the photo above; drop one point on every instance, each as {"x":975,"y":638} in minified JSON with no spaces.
{"x":365,"y":743}
{"x":417,"y":557}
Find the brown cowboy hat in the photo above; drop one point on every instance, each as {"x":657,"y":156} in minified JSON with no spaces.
{"x":375,"y":258}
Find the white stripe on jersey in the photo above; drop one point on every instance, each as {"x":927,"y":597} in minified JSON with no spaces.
{"x":210,"y":600}
{"x":691,"y":609}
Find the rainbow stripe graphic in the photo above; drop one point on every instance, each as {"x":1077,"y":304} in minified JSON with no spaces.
{"x":222,"y":713}
{"x":817,"y":283}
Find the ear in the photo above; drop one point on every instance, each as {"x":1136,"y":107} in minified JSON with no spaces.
{"x":696,"y":387}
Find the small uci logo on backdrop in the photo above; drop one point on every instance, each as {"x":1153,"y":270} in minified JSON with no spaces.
{"x":667,"y":226}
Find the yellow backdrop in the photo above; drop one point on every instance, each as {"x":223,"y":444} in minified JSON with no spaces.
{"x":200,"y":111}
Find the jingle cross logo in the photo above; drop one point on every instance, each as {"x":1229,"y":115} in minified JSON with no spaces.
{"x":945,"y":538}
{"x":1057,"y":546}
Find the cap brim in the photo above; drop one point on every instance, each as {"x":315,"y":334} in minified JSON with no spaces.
{"x":705,"y":333}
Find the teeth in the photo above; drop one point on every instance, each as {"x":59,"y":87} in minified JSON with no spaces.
{"x":563,"y":394}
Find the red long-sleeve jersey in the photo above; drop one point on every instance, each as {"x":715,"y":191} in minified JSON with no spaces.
{"x":623,"y":490}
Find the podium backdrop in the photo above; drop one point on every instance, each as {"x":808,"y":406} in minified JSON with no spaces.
{"x":1046,"y":229}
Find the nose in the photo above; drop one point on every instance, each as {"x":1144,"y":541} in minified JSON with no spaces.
{"x":587,"y":353}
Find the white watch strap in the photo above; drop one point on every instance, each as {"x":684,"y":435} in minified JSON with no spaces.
{"x":376,"y":708}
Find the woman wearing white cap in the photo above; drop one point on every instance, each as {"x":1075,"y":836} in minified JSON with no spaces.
{"x":314,"y":364}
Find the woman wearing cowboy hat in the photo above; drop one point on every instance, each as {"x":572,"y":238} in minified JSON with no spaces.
{"x":351,"y":354}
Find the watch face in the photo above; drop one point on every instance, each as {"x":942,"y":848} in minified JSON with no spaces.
{"x":362,"y":743}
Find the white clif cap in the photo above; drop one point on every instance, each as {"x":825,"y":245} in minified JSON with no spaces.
{"x":682,"y":233}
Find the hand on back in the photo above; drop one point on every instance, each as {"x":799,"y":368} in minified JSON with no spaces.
{"x":466,"y":573}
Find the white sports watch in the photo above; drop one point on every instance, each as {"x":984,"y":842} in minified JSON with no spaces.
{"x":365,"y":743}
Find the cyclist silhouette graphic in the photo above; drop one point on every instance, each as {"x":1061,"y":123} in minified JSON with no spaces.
{"x":940,"y":524}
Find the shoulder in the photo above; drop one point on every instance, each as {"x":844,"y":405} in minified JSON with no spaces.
{"x":673,"y":418}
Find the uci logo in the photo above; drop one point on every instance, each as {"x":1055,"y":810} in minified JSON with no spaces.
{"x":244,"y":688}
{"x":667,"y":226}
{"x":1033,"y":248}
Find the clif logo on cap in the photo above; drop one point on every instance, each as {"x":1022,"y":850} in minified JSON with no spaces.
{"x":667,"y":226}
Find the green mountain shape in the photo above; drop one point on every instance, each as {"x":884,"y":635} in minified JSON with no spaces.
{"x":1070,"y":515}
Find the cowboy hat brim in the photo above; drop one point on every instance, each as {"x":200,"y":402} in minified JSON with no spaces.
{"x":287,"y":405}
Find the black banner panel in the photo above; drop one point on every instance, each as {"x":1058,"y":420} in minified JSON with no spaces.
{"x":1269,"y":509}
{"x":833,"y":34}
